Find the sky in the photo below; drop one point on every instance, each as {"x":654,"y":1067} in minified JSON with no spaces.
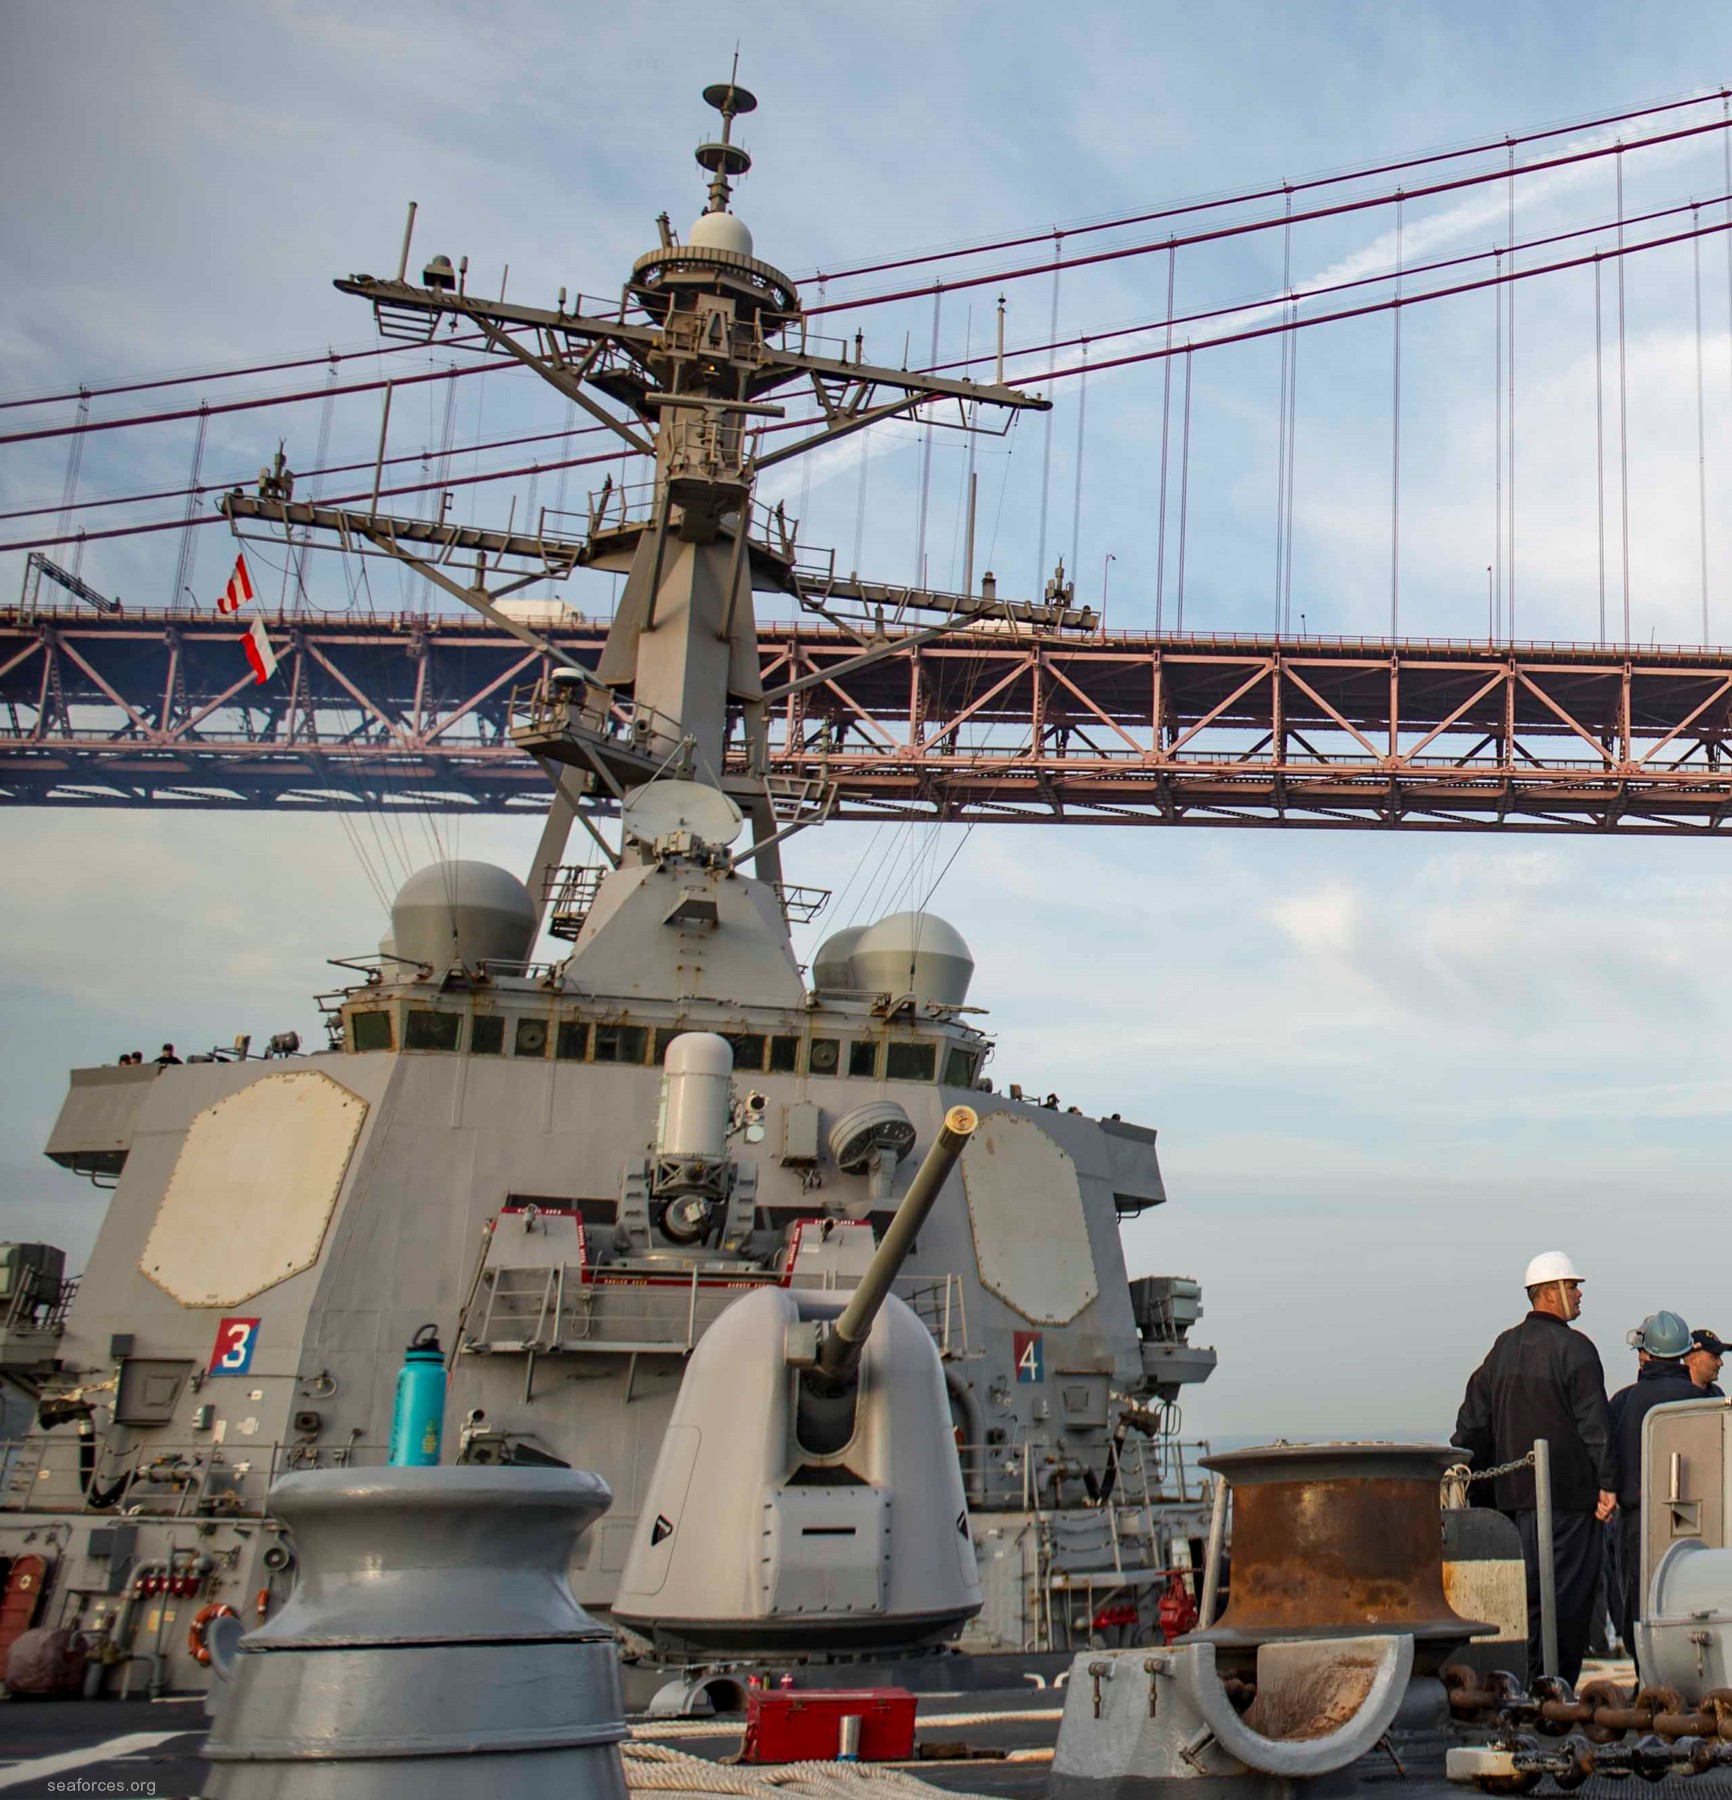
{"x":1386,"y":1069}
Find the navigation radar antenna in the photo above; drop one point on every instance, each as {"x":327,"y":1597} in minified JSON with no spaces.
{"x":725,"y":159}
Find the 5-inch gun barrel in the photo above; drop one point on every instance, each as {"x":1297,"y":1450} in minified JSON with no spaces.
{"x":839,"y":1353}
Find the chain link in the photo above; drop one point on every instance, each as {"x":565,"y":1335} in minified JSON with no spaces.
{"x":1461,"y":1472}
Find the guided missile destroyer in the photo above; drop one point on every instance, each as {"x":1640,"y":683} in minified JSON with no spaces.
{"x":489,"y":1144}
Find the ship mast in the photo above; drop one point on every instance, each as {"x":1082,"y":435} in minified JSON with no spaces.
{"x":704,"y":333}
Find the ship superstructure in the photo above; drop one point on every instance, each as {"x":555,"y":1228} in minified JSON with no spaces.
{"x":485,"y":1144}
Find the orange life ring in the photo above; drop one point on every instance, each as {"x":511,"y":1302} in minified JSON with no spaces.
{"x":218,"y":1609}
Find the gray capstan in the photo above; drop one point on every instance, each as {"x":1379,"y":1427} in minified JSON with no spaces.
{"x":432,"y":1648}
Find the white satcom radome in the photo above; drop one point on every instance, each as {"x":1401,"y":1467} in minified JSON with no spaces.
{"x":914,"y":953}
{"x":698,"y":1091}
{"x":832,"y":967}
{"x":462,"y":912}
{"x":720,"y":231}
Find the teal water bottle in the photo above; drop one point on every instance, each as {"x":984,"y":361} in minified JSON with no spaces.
{"x":419,"y":1418}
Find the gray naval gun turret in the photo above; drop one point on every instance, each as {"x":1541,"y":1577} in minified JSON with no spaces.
{"x":808,"y":1490}
{"x":486,"y":1144}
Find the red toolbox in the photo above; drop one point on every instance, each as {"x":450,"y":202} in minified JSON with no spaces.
{"x":805,"y":1725}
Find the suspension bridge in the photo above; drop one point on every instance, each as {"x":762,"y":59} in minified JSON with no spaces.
{"x":1027,"y":711}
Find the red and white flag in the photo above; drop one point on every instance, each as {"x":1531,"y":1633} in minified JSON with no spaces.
{"x":239,"y":589}
{"x":257,"y":644}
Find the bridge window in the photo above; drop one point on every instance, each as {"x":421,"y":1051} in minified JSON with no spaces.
{"x":531,"y":1037}
{"x":425,"y":1030}
{"x":487,"y":1035}
{"x":620,"y":1043}
{"x":823,"y":1056}
{"x":748,"y":1049}
{"x":665,"y":1035}
{"x":573,"y":1040}
{"x":370,"y":1031}
{"x":959,"y":1067}
{"x":910,"y":1062}
{"x":863,"y":1057}
{"x":784,"y":1055}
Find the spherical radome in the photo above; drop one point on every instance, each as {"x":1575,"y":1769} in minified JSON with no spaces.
{"x":914,"y":953}
{"x":831,"y":968}
{"x":721,"y":231}
{"x":462,"y":912}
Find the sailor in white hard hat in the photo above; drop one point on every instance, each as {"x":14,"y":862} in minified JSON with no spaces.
{"x":1543,"y":1380}
{"x":1662,"y":1341}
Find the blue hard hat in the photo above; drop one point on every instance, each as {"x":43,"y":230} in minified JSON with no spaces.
{"x":1663,"y":1334}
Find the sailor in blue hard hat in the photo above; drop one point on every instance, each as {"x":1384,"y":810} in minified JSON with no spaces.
{"x":1661,"y":1341}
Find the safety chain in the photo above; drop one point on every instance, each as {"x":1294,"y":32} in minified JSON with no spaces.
{"x":1461,"y":1472}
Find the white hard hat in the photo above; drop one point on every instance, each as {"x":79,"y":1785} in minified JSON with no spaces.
{"x":1550,"y":1265}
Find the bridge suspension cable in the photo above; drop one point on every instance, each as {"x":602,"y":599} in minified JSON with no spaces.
{"x":318,"y":472}
{"x":1249,"y":196}
{"x":1081,"y":228}
{"x":1406,"y":301}
{"x":384,"y":493}
{"x":252,"y":404}
{"x":1532,"y":272}
{"x":210,"y":377}
{"x":1274,"y":222}
{"x":1168,"y":323}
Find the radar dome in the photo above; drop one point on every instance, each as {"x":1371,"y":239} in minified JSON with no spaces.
{"x":463,"y":912}
{"x":914,"y":953}
{"x":832,"y":967}
{"x":721,"y":231}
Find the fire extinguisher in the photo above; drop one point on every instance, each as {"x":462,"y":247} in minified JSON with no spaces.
{"x":1178,"y":1611}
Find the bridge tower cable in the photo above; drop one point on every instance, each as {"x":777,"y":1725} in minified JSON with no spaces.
{"x":1726,"y":188}
{"x":69,"y":490}
{"x":1281,"y":433}
{"x":1600,"y":442}
{"x":1082,"y":413}
{"x":188,"y":558}
{"x":919,"y":576}
{"x":1292,"y":455}
{"x":1510,"y":377}
{"x":1701,"y":434}
{"x":1046,"y":423}
{"x":1497,"y":446}
{"x":1395,"y":445}
{"x":1184,"y":490}
{"x":1623,"y":404}
{"x":1166,"y":440}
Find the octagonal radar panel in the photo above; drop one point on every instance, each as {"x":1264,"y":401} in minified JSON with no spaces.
{"x":254,"y":1189}
{"x":664,"y":807}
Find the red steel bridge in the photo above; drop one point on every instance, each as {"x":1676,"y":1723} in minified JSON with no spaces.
{"x":159,"y":709}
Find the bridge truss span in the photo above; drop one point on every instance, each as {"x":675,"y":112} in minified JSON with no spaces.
{"x":995,"y":723}
{"x":1238,"y":730}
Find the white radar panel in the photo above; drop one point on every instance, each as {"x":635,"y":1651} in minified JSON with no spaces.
{"x":664,"y":807}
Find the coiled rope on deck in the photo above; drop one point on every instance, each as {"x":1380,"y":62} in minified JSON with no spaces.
{"x":654,"y":1768}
